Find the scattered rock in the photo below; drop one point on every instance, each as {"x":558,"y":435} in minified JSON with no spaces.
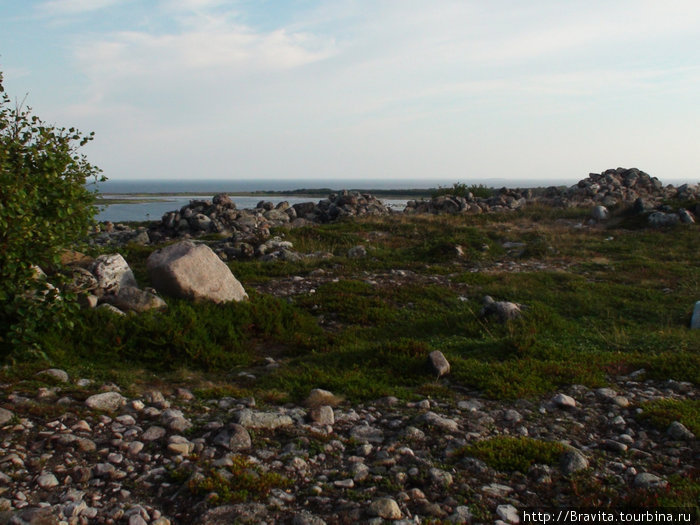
{"x":106,"y":401}
{"x":600,"y":213}
{"x":508,"y":513}
{"x":5,"y":416}
{"x":236,"y":438}
{"x":386,"y":508}
{"x":503,"y":310}
{"x":319,"y":397}
{"x":572,"y":461}
{"x":357,"y":252}
{"x":646,"y":480}
{"x":564,"y":401}
{"x":322,"y":415}
{"x":678,"y":430}
{"x":438,"y":363}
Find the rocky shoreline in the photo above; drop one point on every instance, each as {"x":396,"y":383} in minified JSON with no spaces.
{"x":77,"y":452}
{"x":247,"y":229}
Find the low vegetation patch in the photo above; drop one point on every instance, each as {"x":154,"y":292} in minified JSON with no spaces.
{"x":514,"y":453}
{"x":661,"y":413}
{"x":239,"y":483}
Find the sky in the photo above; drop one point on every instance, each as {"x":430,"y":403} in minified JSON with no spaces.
{"x":364,"y":89}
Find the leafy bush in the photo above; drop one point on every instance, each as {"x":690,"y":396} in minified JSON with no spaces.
{"x":44,"y":205}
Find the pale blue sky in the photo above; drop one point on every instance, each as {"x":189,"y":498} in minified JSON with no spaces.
{"x":402,"y":89}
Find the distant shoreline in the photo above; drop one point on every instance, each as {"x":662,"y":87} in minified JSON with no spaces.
{"x":301,"y":193}
{"x":406,"y":193}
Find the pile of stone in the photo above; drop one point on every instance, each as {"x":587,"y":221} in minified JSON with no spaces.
{"x":504,"y":200}
{"x":78,"y":452}
{"x":110,"y":234}
{"x":631,"y":188}
{"x":220,"y":215}
{"x":624,"y":186}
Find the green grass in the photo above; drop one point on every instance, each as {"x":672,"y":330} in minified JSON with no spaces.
{"x":608,"y":301}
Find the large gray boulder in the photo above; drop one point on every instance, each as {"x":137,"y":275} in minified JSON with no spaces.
{"x":193,"y":271}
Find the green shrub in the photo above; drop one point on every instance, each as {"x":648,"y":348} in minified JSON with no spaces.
{"x":44,"y":206}
{"x":205,"y":336}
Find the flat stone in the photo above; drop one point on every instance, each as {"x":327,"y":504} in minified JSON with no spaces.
{"x":154,"y":433}
{"x":496,"y":490}
{"x":106,"y":401}
{"x":182,"y":449}
{"x":344,"y":483}
{"x":47,"y":481}
{"x":462,"y":515}
{"x":269,"y":420}
{"x":130,"y":298}
{"x":433,"y":419}
{"x":646,"y":480}
{"x":56,"y":374}
{"x":366,"y":433}
{"x":111,"y":309}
